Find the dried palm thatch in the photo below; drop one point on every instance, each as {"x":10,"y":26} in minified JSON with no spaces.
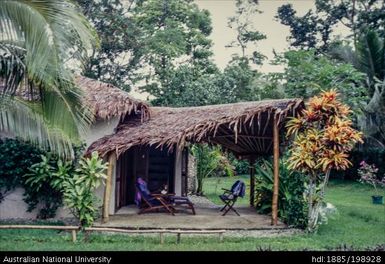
{"x":107,"y":101}
{"x":243,"y":128}
{"x":104,"y":100}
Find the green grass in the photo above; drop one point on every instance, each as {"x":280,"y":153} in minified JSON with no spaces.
{"x":359,"y":224}
{"x":212,"y":188}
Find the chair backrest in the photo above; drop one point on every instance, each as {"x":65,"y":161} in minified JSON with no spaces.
{"x":141,"y":186}
{"x":238,"y":188}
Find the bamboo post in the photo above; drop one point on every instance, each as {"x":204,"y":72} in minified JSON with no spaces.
{"x":108,"y":188}
{"x":274,"y":215}
{"x":221,"y":237}
{"x":73,"y":235}
{"x":161,"y":238}
{"x":252,"y":180}
{"x":178,"y":238}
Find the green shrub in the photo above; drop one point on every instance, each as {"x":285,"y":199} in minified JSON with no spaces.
{"x":292,"y":205}
{"x":371,"y":155}
{"x":39,"y":173}
{"x":79,"y":190}
{"x":240,"y":166}
{"x":16,"y":157}
{"x":38,"y":188}
{"x":211,"y":161}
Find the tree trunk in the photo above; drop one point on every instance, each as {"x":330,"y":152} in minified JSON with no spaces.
{"x":310,"y":203}
{"x":325,"y":182}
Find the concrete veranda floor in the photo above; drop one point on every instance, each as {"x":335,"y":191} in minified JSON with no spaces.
{"x":206,"y":218}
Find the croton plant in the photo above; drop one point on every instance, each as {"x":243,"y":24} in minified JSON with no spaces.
{"x":323,"y":137}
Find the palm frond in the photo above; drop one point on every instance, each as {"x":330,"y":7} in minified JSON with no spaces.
{"x":370,"y":51}
{"x":36,"y":38}
{"x":12,"y":68}
{"x":49,"y":29}
{"x":24,"y":120}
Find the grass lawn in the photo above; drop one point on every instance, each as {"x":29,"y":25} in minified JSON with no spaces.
{"x":359,"y":224}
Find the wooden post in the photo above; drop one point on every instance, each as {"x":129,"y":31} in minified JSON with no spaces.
{"x":161,"y":238}
{"x":73,"y":235}
{"x":252,"y":180}
{"x":108,"y":188}
{"x":178,"y":238}
{"x":221,"y":237}
{"x":274,"y":215}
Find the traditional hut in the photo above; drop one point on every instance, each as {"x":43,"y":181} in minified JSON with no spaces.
{"x":155,"y":149}
{"x":151,"y":142}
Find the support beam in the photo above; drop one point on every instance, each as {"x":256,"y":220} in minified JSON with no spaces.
{"x":108,"y":188}
{"x":244,"y":136}
{"x":252,"y":180}
{"x":274,"y":215}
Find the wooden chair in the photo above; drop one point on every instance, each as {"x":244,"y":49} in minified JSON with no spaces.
{"x":229,"y":197}
{"x":181,"y":201}
{"x":152,"y":202}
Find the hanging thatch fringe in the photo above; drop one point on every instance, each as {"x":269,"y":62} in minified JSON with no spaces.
{"x":174,"y":127}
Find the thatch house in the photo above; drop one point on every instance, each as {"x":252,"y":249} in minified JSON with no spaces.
{"x":155,"y":148}
{"x":151,"y":142}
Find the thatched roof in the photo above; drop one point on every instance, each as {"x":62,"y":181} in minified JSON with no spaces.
{"x":243,"y":128}
{"x":107,"y":101}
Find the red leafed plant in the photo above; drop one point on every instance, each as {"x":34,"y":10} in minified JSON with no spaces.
{"x":368,"y":175}
{"x":323,"y":137}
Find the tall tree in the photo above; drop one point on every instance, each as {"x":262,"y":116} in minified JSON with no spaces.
{"x":119,"y":54}
{"x":307,"y":74}
{"x":174,"y":33}
{"x":314,"y":29}
{"x":368,"y":57}
{"x":247,"y":35}
{"x":39,"y":100}
{"x":144,"y":42}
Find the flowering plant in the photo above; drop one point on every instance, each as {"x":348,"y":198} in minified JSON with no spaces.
{"x":368,"y":174}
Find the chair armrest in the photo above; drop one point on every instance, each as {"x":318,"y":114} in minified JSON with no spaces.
{"x":162,"y":195}
{"x":226,"y":190}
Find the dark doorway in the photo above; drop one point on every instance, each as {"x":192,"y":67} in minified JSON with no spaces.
{"x":160,"y":170}
{"x":153,"y":165}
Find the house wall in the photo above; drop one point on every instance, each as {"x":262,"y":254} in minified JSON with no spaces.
{"x":4,"y":134}
{"x":13,"y":205}
{"x":100,"y":129}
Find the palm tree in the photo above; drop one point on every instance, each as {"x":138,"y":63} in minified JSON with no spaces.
{"x":369,"y":58}
{"x":39,"y":40}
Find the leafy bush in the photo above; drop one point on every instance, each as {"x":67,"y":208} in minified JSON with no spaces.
{"x":16,"y":157}
{"x":39,"y":173}
{"x":240,"y":166}
{"x":372,"y":155}
{"x":368,"y":174}
{"x":79,"y":190}
{"x":38,"y":187}
{"x":292,"y":205}
{"x":323,"y":138}
{"x":210,"y":161}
